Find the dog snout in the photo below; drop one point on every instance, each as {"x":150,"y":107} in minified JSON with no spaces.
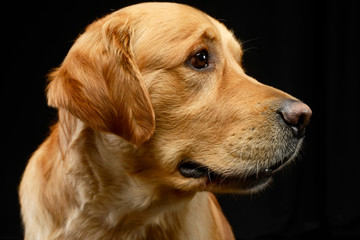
{"x":296,"y":115}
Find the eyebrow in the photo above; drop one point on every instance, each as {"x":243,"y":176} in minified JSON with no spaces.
{"x":206,"y":33}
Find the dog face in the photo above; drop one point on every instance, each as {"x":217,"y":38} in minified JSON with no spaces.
{"x":168,"y":79}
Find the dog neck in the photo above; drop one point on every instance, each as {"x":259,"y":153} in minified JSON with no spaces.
{"x":121,"y":201}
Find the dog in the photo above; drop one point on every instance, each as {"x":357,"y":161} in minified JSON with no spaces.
{"x":155,"y":116}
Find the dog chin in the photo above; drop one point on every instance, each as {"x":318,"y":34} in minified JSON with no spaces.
{"x":241,"y":186}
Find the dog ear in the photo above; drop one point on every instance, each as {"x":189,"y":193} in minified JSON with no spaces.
{"x":100,"y":83}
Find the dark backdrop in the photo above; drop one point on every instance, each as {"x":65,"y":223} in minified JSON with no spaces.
{"x":305,"y":48}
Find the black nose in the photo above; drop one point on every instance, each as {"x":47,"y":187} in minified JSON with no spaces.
{"x":296,"y":115}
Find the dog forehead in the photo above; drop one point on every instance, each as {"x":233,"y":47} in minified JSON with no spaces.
{"x":162,"y":11}
{"x":166,"y":20}
{"x":170,"y":30}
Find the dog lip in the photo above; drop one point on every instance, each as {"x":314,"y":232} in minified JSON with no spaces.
{"x":191,"y":169}
{"x":278,"y":164}
{"x":265,"y":172}
{"x":275,"y":167}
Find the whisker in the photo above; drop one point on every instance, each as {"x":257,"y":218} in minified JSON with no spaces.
{"x":249,"y":40}
{"x":246,"y":50}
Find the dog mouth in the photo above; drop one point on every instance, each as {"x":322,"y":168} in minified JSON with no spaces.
{"x":191,"y":169}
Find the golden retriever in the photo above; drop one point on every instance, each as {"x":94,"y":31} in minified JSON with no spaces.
{"x":155,"y":115}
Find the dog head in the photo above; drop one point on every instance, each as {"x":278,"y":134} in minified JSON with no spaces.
{"x":167,"y":78}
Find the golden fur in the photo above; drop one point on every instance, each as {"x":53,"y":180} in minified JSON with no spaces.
{"x":130,"y":110}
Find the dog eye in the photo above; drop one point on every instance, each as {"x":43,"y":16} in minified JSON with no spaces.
{"x":199,"y":60}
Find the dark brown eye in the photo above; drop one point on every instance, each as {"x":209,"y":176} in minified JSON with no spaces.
{"x":200,"y":60}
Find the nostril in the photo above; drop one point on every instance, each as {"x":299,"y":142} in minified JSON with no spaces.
{"x":296,"y":115}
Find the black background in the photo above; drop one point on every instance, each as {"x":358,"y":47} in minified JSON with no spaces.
{"x":306,"y":48}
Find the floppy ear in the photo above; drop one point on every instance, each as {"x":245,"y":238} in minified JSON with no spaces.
{"x":100,"y":83}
